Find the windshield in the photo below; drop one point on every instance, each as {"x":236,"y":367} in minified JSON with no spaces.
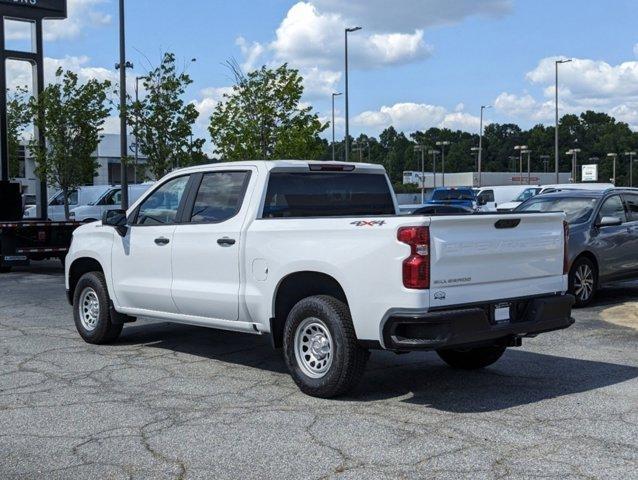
{"x":578,"y":210}
{"x":453,"y":194}
{"x":527,"y":194}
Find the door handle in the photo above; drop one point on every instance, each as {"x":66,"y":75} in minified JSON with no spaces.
{"x":161,"y":241}
{"x":226,"y":242}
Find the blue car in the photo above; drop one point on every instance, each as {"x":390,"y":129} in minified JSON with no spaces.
{"x":456,"y":196}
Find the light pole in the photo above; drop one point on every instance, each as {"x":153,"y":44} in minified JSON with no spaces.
{"x":556,"y":151}
{"x":347,"y":145}
{"x":529,"y":166}
{"x":475,"y":153}
{"x":334,"y":94}
{"x":442,"y":144}
{"x":123,"y":135}
{"x":513,"y":159}
{"x":422,"y":149}
{"x":434,"y":153}
{"x":631,"y":156}
{"x":545,"y":160}
{"x":613,"y":156}
{"x":520,"y":149}
{"x":574,"y":153}
{"x":137,"y":121}
{"x":480,"y":151}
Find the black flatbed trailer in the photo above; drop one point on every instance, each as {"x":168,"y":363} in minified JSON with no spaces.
{"x":24,"y":241}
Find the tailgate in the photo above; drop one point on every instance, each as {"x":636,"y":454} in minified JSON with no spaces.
{"x":480,"y":258}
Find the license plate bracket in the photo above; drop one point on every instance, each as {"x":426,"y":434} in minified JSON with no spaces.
{"x":501,"y":312}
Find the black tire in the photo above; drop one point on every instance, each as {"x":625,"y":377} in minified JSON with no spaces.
{"x":104,"y":329}
{"x":348,"y":359}
{"x":584,"y":292}
{"x":471,"y":358}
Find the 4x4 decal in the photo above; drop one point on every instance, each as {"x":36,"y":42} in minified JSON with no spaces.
{"x":368,"y":223}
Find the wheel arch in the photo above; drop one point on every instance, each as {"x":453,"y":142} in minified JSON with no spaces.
{"x":295,"y":287}
{"x":79,"y":267}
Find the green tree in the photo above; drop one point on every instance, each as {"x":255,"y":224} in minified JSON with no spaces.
{"x":163,"y":122}
{"x":71,"y":115}
{"x":263,"y":118}
{"x":18,"y":119}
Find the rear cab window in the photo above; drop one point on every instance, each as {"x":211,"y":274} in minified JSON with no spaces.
{"x":323,"y":194}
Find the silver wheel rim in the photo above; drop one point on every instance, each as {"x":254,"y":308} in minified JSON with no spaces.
{"x":583,"y":282}
{"x":89,"y":307}
{"x":314,"y":348}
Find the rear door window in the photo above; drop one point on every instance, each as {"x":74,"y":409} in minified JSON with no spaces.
{"x":295,"y":195}
{"x":219,"y":197}
{"x":632,"y":207}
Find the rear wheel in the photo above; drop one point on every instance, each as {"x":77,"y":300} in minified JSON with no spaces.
{"x":91,"y":310}
{"x":321,"y":348}
{"x":471,"y":358}
{"x":582,"y":281}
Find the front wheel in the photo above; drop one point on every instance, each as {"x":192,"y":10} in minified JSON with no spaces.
{"x":321,"y":348}
{"x":91,"y":310}
{"x":582,"y":282}
{"x":471,"y":358}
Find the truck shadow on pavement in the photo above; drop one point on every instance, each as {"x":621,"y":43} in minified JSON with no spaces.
{"x":420,"y":378}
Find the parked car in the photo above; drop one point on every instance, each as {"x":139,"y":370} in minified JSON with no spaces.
{"x":603,"y":237}
{"x":462,"y":196}
{"x":443,"y":210}
{"x":110,"y":200}
{"x":76,"y":198}
{"x":315,"y":254}
{"x":491,"y":199}
{"x":533,"y":191}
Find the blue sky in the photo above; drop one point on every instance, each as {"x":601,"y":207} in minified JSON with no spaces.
{"x":416,"y":63}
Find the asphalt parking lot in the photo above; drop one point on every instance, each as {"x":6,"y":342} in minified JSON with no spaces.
{"x":172,"y":401}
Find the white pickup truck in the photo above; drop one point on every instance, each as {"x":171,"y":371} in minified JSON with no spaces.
{"x":315,"y":255}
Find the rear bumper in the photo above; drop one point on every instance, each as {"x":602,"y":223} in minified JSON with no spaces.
{"x":475,"y":325}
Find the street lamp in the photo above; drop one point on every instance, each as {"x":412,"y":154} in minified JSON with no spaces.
{"x":137,"y":120}
{"x":422,"y":149}
{"x":346,"y":32}
{"x":520,"y":149}
{"x":529,"y":166}
{"x":442,"y":144}
{"x":631,"y":156}
{"x":545,"y":160}
{"x":434,"y":153}
{"x":556,"y":152}
{"x":475,"y":152}
{"x":574,"y":153}
{"x":613,"y":156}
{"x":334,"y":94}
{"x":513,"y":159}
{"x":480,"y":151}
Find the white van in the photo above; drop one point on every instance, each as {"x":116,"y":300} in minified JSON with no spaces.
{"x":110,"y":200}
{"x":81,"y":196}
{"x":533,"y":191}
{"x":490,"y":199}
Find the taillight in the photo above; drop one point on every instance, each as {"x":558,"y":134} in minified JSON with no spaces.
{"x":416,"y":268}
{"x":566,"y":248}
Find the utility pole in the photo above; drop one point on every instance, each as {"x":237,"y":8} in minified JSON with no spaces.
{"x":545,"y":160}
{"x":123,"y":135}
{"x":613,"y":156}
{"x":574,"y":153}
{"x":434,"y":153}
{"x":442,"y":144}
{"x":334,"y":94}
{"x":631,"y":156}
{"x":529,"y":166}
{"x":347,"y":145}
{"x":422,"y":149}
{"x":556,"y":151}
{"x":520,"y":149}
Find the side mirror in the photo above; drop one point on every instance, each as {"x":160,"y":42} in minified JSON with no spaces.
{"x":116,"y":219}
{"x":609,"y":222}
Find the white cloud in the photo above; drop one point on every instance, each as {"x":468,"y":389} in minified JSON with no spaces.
{"x":251,"y":52}
{"x":81,"y":14}
{"x":410,"y":116}
{"x":320,"y":83}
{"x":311,"y":38}
{"x":210,"y":97}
